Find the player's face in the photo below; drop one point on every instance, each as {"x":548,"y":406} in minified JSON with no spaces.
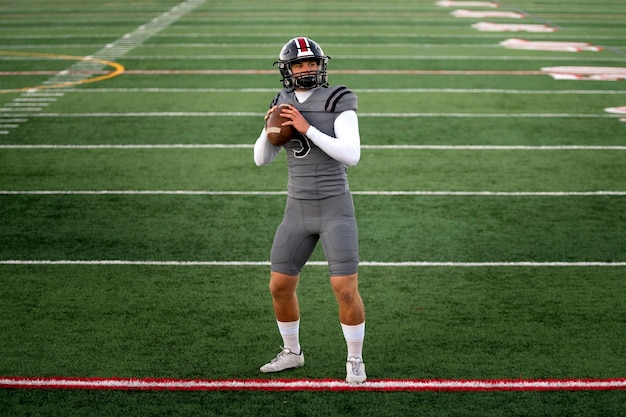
{"x":304,"y":67}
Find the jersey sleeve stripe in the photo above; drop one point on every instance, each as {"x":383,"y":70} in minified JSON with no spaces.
{"x":333,"y":99}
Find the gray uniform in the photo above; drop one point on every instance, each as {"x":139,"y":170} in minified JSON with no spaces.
{"x":319,"y":204}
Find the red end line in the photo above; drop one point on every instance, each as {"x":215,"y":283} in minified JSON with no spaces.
{"x":273,"y":72}
{"x":132,"y":384}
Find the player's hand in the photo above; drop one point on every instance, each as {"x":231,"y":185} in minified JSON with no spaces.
{"x":270,"y":111}
{"x":297,"y":120}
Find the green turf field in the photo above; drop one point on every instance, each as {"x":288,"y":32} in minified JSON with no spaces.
{"x":135,"y":228}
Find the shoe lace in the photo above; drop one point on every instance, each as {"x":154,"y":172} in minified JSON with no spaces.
{"x":356,"y":365}
{"x":283,"y":353}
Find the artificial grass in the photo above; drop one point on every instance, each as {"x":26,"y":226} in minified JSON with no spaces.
{"x":375,"y":131}
{"x":236,"y":228}
{"x":80,"y":403}
{"x":216,"y":322}
{"x":379,"y":170}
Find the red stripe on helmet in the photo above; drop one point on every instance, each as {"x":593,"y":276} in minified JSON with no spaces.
{"x":303,"y":44}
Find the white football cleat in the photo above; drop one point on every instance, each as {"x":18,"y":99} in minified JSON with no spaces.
{"x":355,"y":370}
{"x":286,"y":359}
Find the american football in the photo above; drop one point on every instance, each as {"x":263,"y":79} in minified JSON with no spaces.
{"x":278,"y":135}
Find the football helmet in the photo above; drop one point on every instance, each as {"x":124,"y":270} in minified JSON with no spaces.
{"x":297,"y":50}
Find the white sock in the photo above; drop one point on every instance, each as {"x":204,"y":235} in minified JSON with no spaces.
{"x":290,"y":332}
{"x":354,"y":336}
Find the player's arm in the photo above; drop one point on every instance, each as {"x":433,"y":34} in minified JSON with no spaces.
{"x":264,"y":151}
{"x":346,"y":146}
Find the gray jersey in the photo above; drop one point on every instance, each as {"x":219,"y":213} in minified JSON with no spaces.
{"x":312,"y":173}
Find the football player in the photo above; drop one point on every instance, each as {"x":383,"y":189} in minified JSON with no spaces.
{"x":319,"y":203}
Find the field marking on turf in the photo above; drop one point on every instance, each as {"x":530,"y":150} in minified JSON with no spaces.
{"x":82,"y":71}
{"x":499,"y":147}
{"x":272,"y":193}
{"x":371,"y":58}
{"x":162,"y":384}
{"x":529,"y":59}
{"x":67,"y":78}
{"x":259,"y":114}
{"x":171,"y":58}
{"x":250,"y":146}
{"x":357,"y":90}
{"x":312,"y":263}
{"x":281,"y":36}
{"x":349,"y":72}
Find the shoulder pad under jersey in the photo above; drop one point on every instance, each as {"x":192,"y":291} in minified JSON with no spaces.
{"x":340,"y":99}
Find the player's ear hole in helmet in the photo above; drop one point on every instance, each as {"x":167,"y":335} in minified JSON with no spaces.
{"x":299,"y":50}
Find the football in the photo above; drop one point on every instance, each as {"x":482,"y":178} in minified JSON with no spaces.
{"x":278,"y":135}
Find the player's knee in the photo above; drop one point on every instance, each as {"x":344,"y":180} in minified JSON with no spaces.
{"x":346,"y":289}
{"x":347,"y":297}
{"x":282,"y":285}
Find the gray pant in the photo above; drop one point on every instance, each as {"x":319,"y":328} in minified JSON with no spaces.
{"x":304,"y":223}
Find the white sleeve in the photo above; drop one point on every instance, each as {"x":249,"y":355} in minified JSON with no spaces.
{"x":346,"y":146}
{"x":264,"y":151}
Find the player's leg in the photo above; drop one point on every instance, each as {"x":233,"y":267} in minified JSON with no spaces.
{"x":340,"y":241}
{"x":346,"y":289}
{"x":352,"y":319}
{"x":284,"y":297}
{"x":286,"y":309}
{"x":287,"y":312}
{"x":291,"y":249}
{"x":341,"y":246}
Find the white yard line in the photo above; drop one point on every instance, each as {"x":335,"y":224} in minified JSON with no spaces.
{"x":390,"y":147}
{"x":356,"y":90}
{"x":260,"y":114}
{"x":368,"y":193}
{"x":106,"y":262}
